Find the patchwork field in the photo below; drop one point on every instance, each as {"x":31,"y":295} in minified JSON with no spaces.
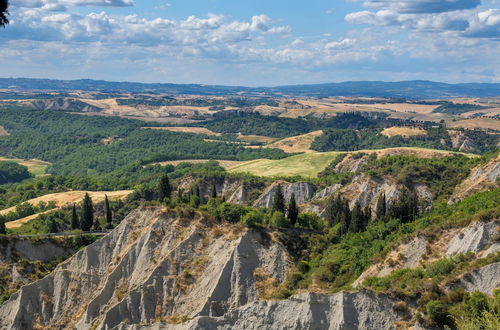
{"x":255,"y":138}
{"x":36,"y":167}
{"x":194,"y":130}
{"x":63,"y":199}
{"x":301,"y":143}
{"x":403,"y":131}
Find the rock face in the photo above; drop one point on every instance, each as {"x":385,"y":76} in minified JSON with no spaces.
{"x":481,"y":178}
{"x":473,"y":238}
{"x":303,"y":191}
{"x":486,"y":279}
{"x":359,"y":310}
{"x":462,"y":142}
{"x":153,"y":265}
{"x":65,"y":104}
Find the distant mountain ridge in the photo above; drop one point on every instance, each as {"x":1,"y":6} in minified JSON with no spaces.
{"x":417,"y":89}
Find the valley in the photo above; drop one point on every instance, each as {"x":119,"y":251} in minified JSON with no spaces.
{"x":210,"y":207}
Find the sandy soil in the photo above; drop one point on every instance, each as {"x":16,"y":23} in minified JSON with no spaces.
{"x":403,"y":131}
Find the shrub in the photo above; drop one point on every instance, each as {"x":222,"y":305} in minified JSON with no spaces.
{"x":438,"y":313}
{"x":440,"y":267}
{"x":400,"y":306}
{"x":303,"y":266}
{"x":477,"y":303}
{"x":252,"y":218}
{"x":278,"y":220}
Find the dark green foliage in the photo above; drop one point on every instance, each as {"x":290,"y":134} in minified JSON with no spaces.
{"x":338,"y":212}
{"x":477,"y":303}
{"x":439,"y":313}
{"x":13,"y":172}
{"x":406,"y":207}
{"x":3,"y":230}
{"x":73,"y":143}
{"x":75,"y":222}
{"x":278,"y":200}
{"x":108,"y":212}
{"x":253,"y":218}
{"x":457,"y":108}
{"x":164,"y":189}
{"x":381,"y":209}
{"x":278,"y":220}
{"x":279,"y":127}
{"x":293,"y":210}
{"x":87,"y":218}
{"x":440,"y":174}
{"x":213,"y":192}
{"x":4,"y":6}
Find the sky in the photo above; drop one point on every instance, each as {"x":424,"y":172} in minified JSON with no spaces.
{"x":253,"y":42}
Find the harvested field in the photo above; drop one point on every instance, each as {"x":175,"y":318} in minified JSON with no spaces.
{"x":477,"y":123}
{"x":255,"y":138}
{"x":403,"y":131}
{"x":300,"y":143}
{"x":193,"y":130}
{"x":3,"y":131}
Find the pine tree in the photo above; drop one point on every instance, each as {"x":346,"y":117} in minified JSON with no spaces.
{"x":293,"y":210}
{"x":87,"y":213}
{"x":109,"y":213}
{"x":75,"y":223}
{"x":381,"y":210}
{"x":198,"y":192}
{"x":3,"y":230}
{"x":279,"y":200}
{"x":164,"y":189}
{"x":213,"y":194}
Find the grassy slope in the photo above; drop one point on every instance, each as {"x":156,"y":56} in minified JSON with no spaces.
{"x":309,"y":165}
{"x":36,"y":167}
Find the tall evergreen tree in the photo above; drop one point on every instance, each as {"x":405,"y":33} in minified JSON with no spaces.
{"x":357,"y":220}
{"x":293,"y":210}
{"x":164,"y":188}
{"x":213,"y":193}
{"x":75,"y":223}
{"x":87,"y":219}
{"x":279,"y":200}
{"x":3,"y":230}
{"x":198,"y":193}
{"x":109,"y":213}
{"x":381,"y":209}
{"x":4,"y":6}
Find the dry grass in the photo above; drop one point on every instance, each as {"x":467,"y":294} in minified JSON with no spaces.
{"x":193,"y":130}
{"x":301,"y":143}
{"x":256,"y":138}
{"x":403,"y":131}
{"x":226,"y":164}
{"x":477,"y":123}
{"x":63,"y":199}
{"x":3,"y":131}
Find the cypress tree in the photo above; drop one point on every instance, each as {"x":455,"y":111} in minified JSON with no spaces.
{"x":381,"y":210}
{"x":87,"y":213}
{"x":293,"y":210}
{"x":164,"y":189}
{"x":279,"y":200}
{"x":198,"y":191}
{"x":356,"y":218}
{"x":75,"y":223}
{"x":109,"y":213}
{"x":3,"y":230}
{"x":213,"y":194}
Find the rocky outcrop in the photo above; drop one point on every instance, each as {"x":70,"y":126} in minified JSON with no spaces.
{"x":473,"y":238}
{"x":482,"y":178}
{"x":225,"y":187}
{"x":303,"y":191}
{"x":351,"y":164}
{"x":44,"y":250}
{"x":64,"y":104}
{"x":153,"y":265}
{"x":461,"y":142}
{"x":327,"y":192}
{"x":485,"y":279}
{"x":344,"y":310}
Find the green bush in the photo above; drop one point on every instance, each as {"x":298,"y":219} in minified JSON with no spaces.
{"x":252,"y":218}
{"x":438,"y":312}
{"x":278,"y":220}
{"x":440,"y":267}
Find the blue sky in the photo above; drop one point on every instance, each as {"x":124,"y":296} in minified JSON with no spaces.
{"x":257,"y":42}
